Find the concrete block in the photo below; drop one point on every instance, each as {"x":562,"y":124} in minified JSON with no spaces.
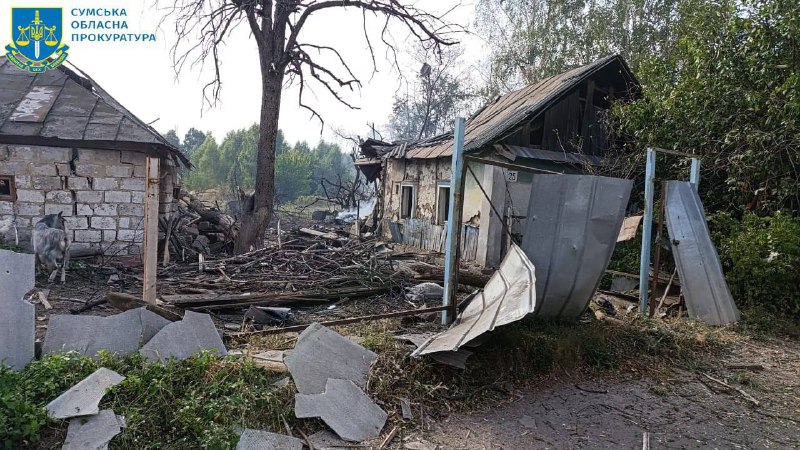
{"x":43,"y":169}
{"x":121,"y":334}
{"x":6,"y":207}
{"x":322,"y":353}
{"x":51,"y":154}
{"x":345,"y":408}
{"x":46,"y":183}
{"x":137,"y":197}
{"x":130,"y":235}
{"x":93,"y":432}
{"x":83,"y":398}
{"x":183,"y":339}
{"x":63,"y":169}
{"x":78,"y":183}
{"x":105,"y":157}
{"x":30,"y":209}
{"x":134,"y":249}
{"x":140,"y":170}
{"x":84,"y":209}
{"x":17,"y":321}
{"x":264,"y":440}
{"x":59,"y":197}
{"x":89,"y":196}
{"x":53,"y":208}
{"x":23,"y":182}
{"x":104,"y":184}
{"x":131,"y":210}
{"x":76,"y":223}
{"x":103,"y":223}
{"x":88,"y":236}
{"x":105,"y":209}
{"x":119,"y":170}
{"x":25,"y":195}
{"x":136,"y":158}
{"x":117,"y":196}
{"x":109,"y":235}
{"x":93,"y":170}
{"x":132,"y":184}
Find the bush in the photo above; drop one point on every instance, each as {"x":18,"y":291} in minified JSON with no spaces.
{"x":761,"y":260}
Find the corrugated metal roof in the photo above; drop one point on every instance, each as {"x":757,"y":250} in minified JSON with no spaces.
{"x":64,"y":106}
{"x":572,"y":229}
{"x":702,"y":281}
{"x":505,"y":114}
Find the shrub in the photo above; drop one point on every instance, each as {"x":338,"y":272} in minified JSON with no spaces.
{"x":761,"y":260}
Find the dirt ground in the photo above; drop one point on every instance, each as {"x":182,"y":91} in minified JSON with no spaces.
{"x":683,"y":411}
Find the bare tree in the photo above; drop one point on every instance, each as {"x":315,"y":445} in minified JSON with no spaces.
{"x":284,"y":56}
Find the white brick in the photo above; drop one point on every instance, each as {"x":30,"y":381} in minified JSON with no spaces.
{"x":104,"y":223}
{"x":137,"y":197}
{"x":104,"y":157}
{"x":76,"y":223}
{"x":132,"y":184}
{"x":52,"y":208}
{"x":59,"y":197}
{"x":6,"y":208}
{"x":88,"y":236}
{"x":85,"y":209}
{"x":30,"y":209}
{"x":24,"y":195}
{"x":63,"y":170}
{"x":46,"y":183}
{"x":109,"y":235}
{"x":131,"y":210}
{"x":140,"y":159}
{"x":117,"y":197}
{"x":130,"y":235}
{"x":23,"y":182}
{"x":89,"y":196}
{"x":78,"y":183}
{"x":89,"y":170}
{"x":140,"y":171}
{"x":124,"y":171}
{"x":104,"y":184}
{"x":104,"y":209}
{"x":44,"y":169}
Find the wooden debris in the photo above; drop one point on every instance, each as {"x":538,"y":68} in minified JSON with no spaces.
{"x":744,"y":394}
{"x":389,"y":438}
{"x":43,"y":299}
{"x":125,"y":302}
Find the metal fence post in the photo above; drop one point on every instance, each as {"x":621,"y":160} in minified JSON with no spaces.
{"x":454,"y":225}
{"x":694,"y":174}
{"x":647,"y":230}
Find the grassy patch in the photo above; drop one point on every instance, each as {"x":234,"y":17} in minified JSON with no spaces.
{"x":192,"y":404}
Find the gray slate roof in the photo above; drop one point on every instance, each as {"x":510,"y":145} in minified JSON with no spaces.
{"x":66,"y":108}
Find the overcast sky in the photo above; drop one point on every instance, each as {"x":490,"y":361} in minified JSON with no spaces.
{"x":142,"y":78}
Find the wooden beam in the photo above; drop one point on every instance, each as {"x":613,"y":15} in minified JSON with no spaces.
{"x":150,"y":255}
{"x":587,"y":115}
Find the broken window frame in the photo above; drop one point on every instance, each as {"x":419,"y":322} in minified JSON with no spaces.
{"x":12,"y":189}
{"x":412,"y":208}
{"x":442,"y":204}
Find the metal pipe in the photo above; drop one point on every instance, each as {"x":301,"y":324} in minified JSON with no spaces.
{"x":647,"y":230}
{"x":454,"y":224}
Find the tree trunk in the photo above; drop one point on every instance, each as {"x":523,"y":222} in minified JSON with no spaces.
{"x":256,"y":217}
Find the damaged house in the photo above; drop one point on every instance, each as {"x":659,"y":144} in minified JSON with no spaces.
{"x":66,"y":146}
{"x":556,"y":125}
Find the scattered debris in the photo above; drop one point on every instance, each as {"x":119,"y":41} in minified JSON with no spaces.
{"x":456,"y":358}
{"x":264,"y":440}
{"x":17,"y":320}
{"x":345,"y":408}
{"x":755,"y":367}
{"x":183,"y":339}
{"x":623,"y":284}
{"x":509,"y":296}
{"x":629,"y":228}
{"x":282,"y":383}
{"x":321,"y":353}
{"x":420,"y":445}
{"x":267,"y":315}
{"x":325,"y":440}
{"x":42,"y":295}
{"x":744,"y":394}
{"x":570,"y":235}
{"x":271,"y":360}
{"x":702,"y":281}
{"x":126,"y":302}
{"x":424,"y":291}
{"x":93,"y":432}
{"x":405,"y":407}
{"x":389,"y":438}
{"x":121,"y":334}
{"x":83,"y":398}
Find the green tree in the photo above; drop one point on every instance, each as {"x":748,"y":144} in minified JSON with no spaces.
{"x":729,"y":90}
{"x":292,"y":175}
{"x":193,"y":139}
{"x":206,"y":162}
{"x":172,"y":137}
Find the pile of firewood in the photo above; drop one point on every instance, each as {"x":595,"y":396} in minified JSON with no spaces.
{"x":198,"y":229}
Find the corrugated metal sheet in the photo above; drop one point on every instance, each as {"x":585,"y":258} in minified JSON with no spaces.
{"x":507,"y":112}
{"x":64,"y":104}
{"x":508,"y":296}
{"x":702,"y":281}
{"x":547,"y":155}
{"x":572,"y":229}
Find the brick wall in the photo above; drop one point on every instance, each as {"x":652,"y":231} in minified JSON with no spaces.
{"x":100,"y":192}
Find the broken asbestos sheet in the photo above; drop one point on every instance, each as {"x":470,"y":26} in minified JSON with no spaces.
{"x":93,"y":432}
{"x":702,"y":281}
{"x":345,"y":408}
{"x":510,"y":295}
{"x":264,"y":440}
{"x":183,"y":339}
{"x":122,"y":334}
{"x":83,"y":398}
{"x":322,"y":353}
{"x":17,"y":319}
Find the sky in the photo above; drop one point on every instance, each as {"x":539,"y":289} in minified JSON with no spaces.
{"x":141,"y":75}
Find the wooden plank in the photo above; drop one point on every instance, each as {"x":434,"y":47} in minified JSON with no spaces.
{"x":150,"y":231}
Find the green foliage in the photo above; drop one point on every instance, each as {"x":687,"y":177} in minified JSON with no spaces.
{"x":761,"y":260}
{"x":728,"y":89}
{"x":292,"y":175}
{"x":191,"y":404}
{"x":172,"y":137}
{"x":193,"y":139}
